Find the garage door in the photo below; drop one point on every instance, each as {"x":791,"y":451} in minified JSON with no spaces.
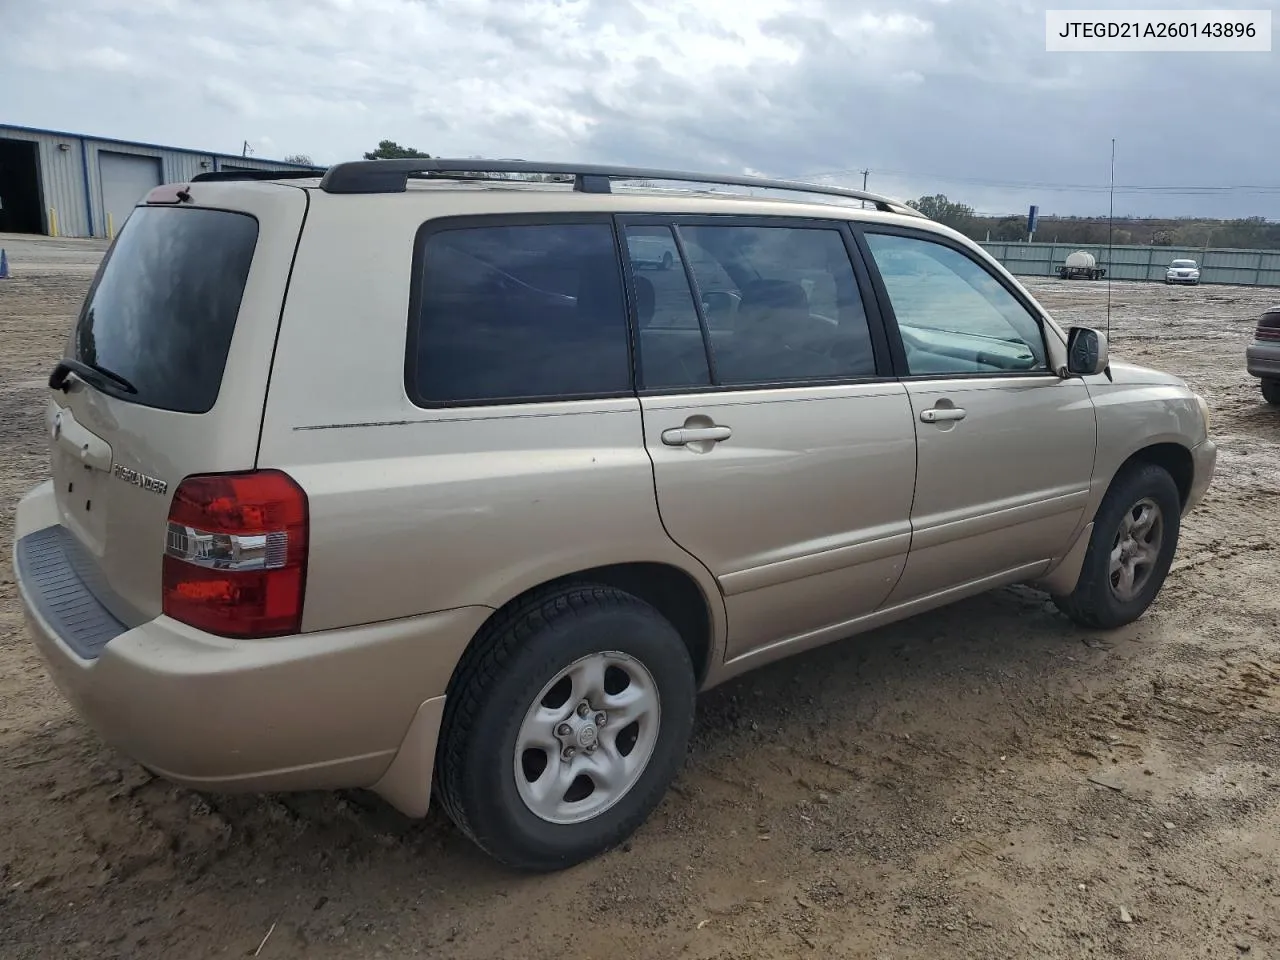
{"x":125,"y":180}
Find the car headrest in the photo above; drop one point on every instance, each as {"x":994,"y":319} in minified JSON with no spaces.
{"x":646,"y":301}
{"x":769,"y":308}
{"x":775,"y":294}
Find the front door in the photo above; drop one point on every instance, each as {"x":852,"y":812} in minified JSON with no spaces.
{"x":1005,"y":446}
{"x":783,"y":448}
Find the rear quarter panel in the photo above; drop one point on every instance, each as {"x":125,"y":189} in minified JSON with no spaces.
{"x":418,"y":510}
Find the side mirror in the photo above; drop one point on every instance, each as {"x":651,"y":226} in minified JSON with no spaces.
{"x":1086,"y":352}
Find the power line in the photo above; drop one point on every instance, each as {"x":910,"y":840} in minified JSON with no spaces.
{"x":1187,"y":190}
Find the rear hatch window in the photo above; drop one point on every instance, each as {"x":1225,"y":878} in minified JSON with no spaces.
{"x":161,"y":312}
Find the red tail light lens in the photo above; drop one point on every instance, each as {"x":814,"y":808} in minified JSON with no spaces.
{"x":235,"y":560}
{"x":1269,"y":326}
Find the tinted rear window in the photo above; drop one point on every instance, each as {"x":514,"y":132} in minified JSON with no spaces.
{"x":518,"y":313}
{"x":163,"y":307}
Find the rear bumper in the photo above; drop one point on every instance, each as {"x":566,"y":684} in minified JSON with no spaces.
{"x":1263,"y":360}
{"x":1204,"y":458}
{"x":323,"y":710}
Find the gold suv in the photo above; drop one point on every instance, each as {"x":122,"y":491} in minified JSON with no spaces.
{"x":430,"y":474}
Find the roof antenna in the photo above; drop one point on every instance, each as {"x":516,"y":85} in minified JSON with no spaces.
{"x":1111,"y":216}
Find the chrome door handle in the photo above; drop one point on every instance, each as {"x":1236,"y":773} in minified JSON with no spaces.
{"x":679,"y":436}
{"x":939,"y":414}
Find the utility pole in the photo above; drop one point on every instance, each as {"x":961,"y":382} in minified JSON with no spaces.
{"x":245,"y":150}
{"x":864,"y":178}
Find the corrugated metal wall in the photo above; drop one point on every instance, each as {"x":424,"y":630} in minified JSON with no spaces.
{"x":1248,"y":267}
{"x":61,"y":180}
{"x":71,"y":182}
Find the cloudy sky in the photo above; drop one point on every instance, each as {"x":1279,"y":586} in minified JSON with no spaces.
{"x":950,"y":96}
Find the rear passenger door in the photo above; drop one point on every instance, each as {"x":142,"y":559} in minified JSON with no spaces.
{"x":783,"y":449}
{"x":1006,"y":446}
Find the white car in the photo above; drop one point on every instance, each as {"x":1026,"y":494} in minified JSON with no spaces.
{"x":652,"y":253}
{"x":1182,"y":271}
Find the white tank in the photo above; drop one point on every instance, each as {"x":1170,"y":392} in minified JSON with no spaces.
{"x":1081,"y":261}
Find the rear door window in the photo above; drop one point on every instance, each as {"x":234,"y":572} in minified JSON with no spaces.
{"x":672,"y":352}
{"x":163,"y":308}
{"x":782,"y":303}
{"x":518,"y":313}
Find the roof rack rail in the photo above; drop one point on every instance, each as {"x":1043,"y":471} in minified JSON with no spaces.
{"x":257,"y":175}
{"x":392,"y":176}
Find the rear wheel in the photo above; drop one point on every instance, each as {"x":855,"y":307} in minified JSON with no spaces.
{"x":1271,"y":392}
{"x":564,"y":725}
{"x":1135,"y":535}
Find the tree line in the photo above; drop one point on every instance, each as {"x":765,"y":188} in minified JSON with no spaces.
{"x":1253,"y":233}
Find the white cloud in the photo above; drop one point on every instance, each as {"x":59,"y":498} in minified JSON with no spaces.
{"x":938,"y":89}
{"x":110,"y":59}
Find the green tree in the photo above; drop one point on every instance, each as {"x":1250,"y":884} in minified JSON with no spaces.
{"x":390,"y":150}
{"x":958,"y":216}
{"x":301,"y":159}
{"x":1004,"y":228}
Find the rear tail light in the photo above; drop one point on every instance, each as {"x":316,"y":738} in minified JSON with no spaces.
{"x":235,"y":559}
{"x":1269,"y":326}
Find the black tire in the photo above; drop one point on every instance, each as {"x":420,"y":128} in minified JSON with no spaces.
{"x":1094,"y":602}
{"x":502,"y":673}
{"x":1271,"y":392}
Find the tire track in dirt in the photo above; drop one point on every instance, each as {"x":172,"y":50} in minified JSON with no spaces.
{"x":983,"y":781}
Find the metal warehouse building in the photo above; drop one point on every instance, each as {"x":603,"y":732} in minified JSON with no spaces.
{"x":71,"y":185}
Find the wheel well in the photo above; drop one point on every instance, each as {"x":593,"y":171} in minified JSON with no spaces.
{"x":669,"y":590}
{"x":1176,"y":461}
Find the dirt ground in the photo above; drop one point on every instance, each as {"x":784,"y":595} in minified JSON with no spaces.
{"x":986,"y":781}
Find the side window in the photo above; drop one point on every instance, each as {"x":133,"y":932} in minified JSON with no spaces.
{"x":671,"y":349}
{"x":510,"y":313}
{"x":954,"y":316}
{"x":782,"y":303}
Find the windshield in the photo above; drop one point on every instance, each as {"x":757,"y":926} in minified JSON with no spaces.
{"x":161,"y":311}
{"x":1183,"y":264}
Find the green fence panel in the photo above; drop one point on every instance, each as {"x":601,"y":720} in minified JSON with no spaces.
{"x":1244,"y":267}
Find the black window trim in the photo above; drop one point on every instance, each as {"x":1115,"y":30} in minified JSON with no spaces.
{"x":881,"y":342}
{"x":633,"y":307}
{"x":106,"y":387}
{"x":695,"y":293}
{"x":437,"y":225}
{"x":859,"y":231}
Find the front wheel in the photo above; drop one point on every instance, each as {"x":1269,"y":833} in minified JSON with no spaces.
{"x":1271,"y":392}
{"x":564,"y":725}
{"x":1135,"y":535}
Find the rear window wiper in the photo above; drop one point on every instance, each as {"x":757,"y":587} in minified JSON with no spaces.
{"x":89,"y":373}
